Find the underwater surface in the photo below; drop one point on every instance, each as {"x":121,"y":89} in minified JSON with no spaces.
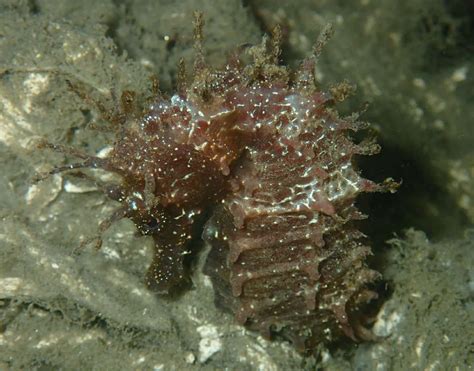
{"x":60,"y":308}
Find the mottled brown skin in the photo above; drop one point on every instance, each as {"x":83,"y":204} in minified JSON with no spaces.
{"x":262,"y":151}
{"x":284,"y":260}
{"x":167,"y":185}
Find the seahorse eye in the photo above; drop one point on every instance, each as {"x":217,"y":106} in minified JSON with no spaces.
{"x":150,"y":226}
